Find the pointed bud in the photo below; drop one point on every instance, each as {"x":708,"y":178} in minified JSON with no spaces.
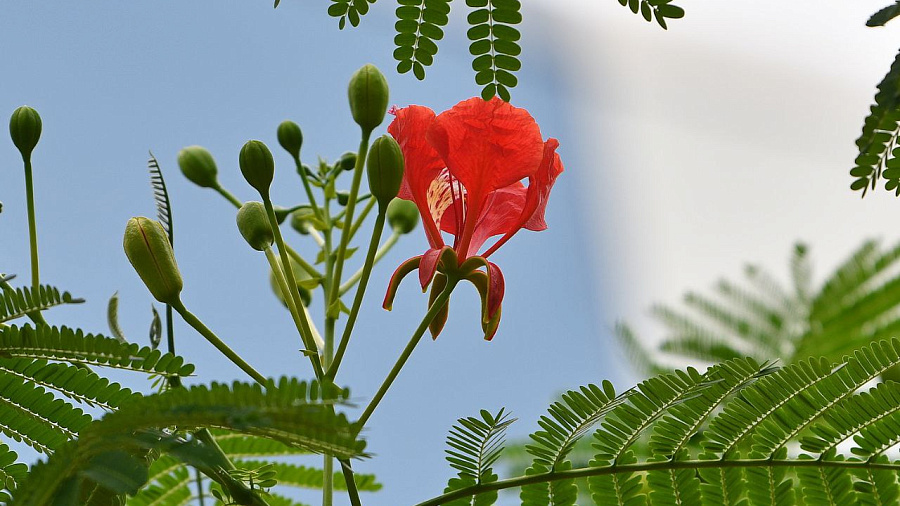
{"x":25,"y":130}
{"x":368,"y":94}
{"x":148,"y":249}
{"x":197,"y":164}
{"x":385,"y":169}
{"x":257,"y":166}
{"x":343,"y":196}
{"x":290,"y":137}
{"x":253,"y":223}
{"x":402,"y":215}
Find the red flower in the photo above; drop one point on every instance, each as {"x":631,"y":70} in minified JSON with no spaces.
{"x":464,"y":171}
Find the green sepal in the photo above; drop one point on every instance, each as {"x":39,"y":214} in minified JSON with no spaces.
{"x":440,"y":319}
{"x":488,"y":324}
{"x":401,"y":272}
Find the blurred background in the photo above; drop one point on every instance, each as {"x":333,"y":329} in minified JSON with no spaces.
{"x":688,"y":152}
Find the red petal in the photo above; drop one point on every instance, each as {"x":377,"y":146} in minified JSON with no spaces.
{"x":540,"y":185}
{"x":501,"y":214}
{"x":422,"y":163}
{"x":398,"y":275}
{"x":428,"y":266}
{"x":496,"y":287}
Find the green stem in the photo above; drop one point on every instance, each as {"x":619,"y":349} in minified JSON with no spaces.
{"x":328,"y":481}
{"x":649,"y":466}
{"x":228,"y":196}
{"x":312,"y":271}
{"x":32,"y":229}
{"x":351,"y":204}
{"x":435,"y":308}
{"x":306,"y":330}
{"x":195,"y":322}
{"x":362,"y":217}
{"x":308,"y":188}
{"x":289,"y":301}
{"x":199,"y":479}
{"x":357,"y":301}
{"x":388,"y":244}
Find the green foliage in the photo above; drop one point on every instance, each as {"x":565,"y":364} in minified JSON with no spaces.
{"x":744,"y":416}
{"x":884,"y":15}
{"x":475,"y":445}
{"x":74,"y":346}
{"x":878,"y":153}
{"x":419,"y":24}
{"x":762,"y":319}
{"x":346,"y":10}
{"x":16,"y":303}
{"x":495,"y":45}
{"x":655,"y":9}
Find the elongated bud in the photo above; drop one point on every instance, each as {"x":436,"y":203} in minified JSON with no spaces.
{"x":290,"y":137}
{"x":402,"y":215}
{"x":253,"y":223}
{"x":257,"y":166}
{"x":385,"y":169}
{"x":368,"y":93}
{"x":148,"y":249}
{"x":25,"y":130}
{"x":197,"y":164}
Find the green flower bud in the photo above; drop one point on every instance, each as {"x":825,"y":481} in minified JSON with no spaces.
{"x":368,"y":94}
{"x":290,"y":137}
{"x":302,"y":219}
{"x":385,"y":169}
{"x":347,"y":161}
{"x":300,"y":275}
{"x":402,"y":215}
{"x":148,"y":249}
{"x":25,"y":130}
{"x":343,"y":197}
{"x":257,"y":166}
{"x":198,"y":166}
{"x":253,"y":223}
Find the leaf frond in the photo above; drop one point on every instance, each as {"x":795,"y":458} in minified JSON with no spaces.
{"x":16,"y":303}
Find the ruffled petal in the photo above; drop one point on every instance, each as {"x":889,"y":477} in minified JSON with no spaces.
{"x":422,"y":164}
{"x":501,"y":214}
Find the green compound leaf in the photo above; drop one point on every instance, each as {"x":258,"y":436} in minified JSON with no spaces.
{"x":495,"y":45}
{"x":878,"y":151}
{"x":348,"y":10}
{"x":475,"y":444}
{"x":17,"y":303}
{"x":661,"y":10}
{"x":419,"y":24}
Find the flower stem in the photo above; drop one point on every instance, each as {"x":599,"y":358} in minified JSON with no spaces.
{"x":289,"y":301}
{"x":308,"y":188}
{"x":32,"y":230}
{"x":435,"y":308}
{"x":228,"y":196}
{"x":195,"y":322}
{"x":362,"y":217}
{"x":293,"y":293}
{"x":388,"y":244}
{"x":348,"y":217}
{"x":357,"y":301}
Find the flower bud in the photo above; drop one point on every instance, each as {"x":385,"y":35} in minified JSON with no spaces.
{"x":253,"y":223}
{"x":402,"y":215}
{"x":385,"y":168}
{"x":368,"y":94}
{"x":198,"y":166}
{"x":343,"y":197}
{"x":302,"y":219}
{"x":148,"y":249}
{"x":347,"y":161}
{"x":257,"y":166}
{"x":300,"y":275}
{"x":25,"y":130}
{"x":290,"y":137}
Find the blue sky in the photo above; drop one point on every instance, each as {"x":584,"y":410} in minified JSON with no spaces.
{"x":112,"y":80}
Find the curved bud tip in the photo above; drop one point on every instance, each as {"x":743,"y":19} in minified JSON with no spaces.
{"x":257,"y":166}
{"x":290,"y":137}
{"x":384,"y":167}
{"x":253,"y":223}
{"x":402,"y":215}
{"x":25,"y":129}
{"x":347,"y":161}
{"x":368,"y":95}
{"x":147,"y":247}
{"x":198,"y":165}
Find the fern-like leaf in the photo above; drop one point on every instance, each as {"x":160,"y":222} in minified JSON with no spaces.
{"x":495,"y":45}
{"x":475,"y":445}
{"x":74,"y":346}
{"x":161,"y":197}
{"x":877,"y":145}
{"x":173,"y":488}
{"x":419,"y":24}
{"x":566,"y":422}
{"x":661,"y":10}
{"x":348,"y":10}
{"x":21,"y":301}
{"x":852,"y":415}
{"x":618,"y":488}
{"x":112,"y":318}
{"x":827,"y":486}
{"x":877,"y":487}
{"x":11,"y":472}
{"x":297,"y":476}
